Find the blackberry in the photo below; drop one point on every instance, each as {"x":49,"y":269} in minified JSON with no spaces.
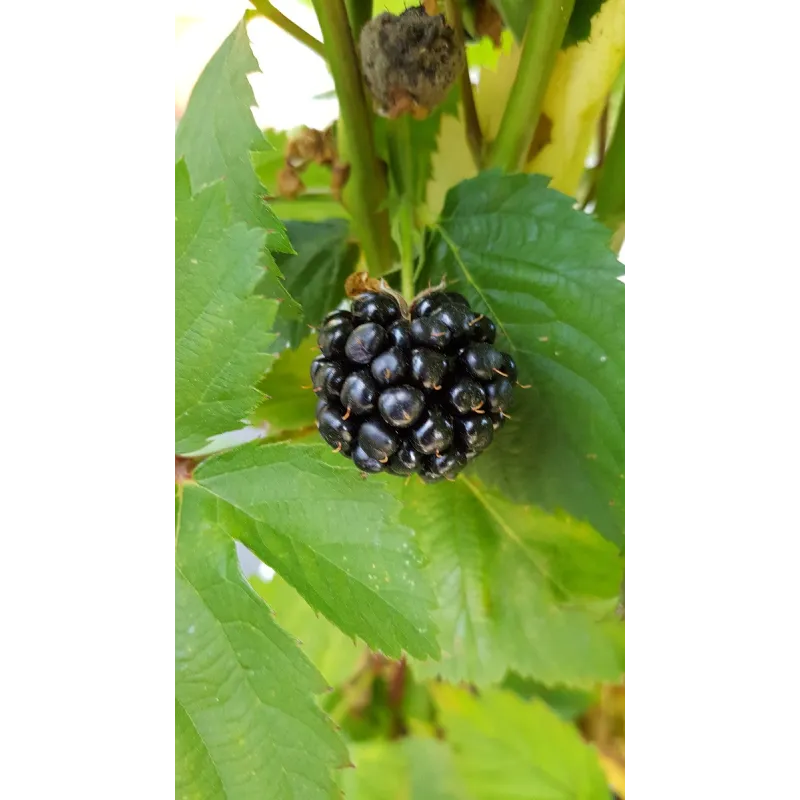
{"x":401,"y":406}
{"x":377,"y":439}
{"x":333,"y":334}
{"x":420,"y":392}
{"x":365,"y":342}
{"x":466,"y":395}
{"x":399,"y":334}
{"x":499,"y":394}
{"x":406,"y":460}
{"x":430,"y":332}
{"x":389,"y":367}
{"x":428,"y":367}
{"x":359,"y":393}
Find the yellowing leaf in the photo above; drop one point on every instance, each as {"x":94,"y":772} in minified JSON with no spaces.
{"x":450,"y":164}
{"x":578,"y":88}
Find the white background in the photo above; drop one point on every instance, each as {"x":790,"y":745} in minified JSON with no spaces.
{"x":86,"y":158}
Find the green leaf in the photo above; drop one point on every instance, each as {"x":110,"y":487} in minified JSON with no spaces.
{"x":217,"y":133}
{"x":506,"y":747}
{"x":580,"y":22}
{"x":330,"y":534}
{"x":246,"y":722}
{"x":610,"y":208}
{"x":543,"y":271}
{"x":332,"y":653}
{"x":222,"y":330}
{"x":484,"y":54}
{"x":316,"y":275}
{"x":412,"y":768}
{"x":515,"y":15}
{"x":514,"y":587}
{"x":567,"y":703}
{"x":288,"y":405}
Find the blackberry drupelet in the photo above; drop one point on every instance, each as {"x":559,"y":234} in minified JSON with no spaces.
{"x":421,"y":391}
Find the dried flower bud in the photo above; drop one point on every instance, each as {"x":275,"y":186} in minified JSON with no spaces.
{"x":289,"y":183}
{"x":409,"y":61}
{"x":306,"y":146}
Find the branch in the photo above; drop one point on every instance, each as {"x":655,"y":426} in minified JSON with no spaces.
{"x":266,"y":9}
{"x":365,"y":192}
{"x":543,"y":36}
{"x":474,"y":135}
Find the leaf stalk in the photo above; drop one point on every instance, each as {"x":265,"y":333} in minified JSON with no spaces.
{"x":266,"y":9}
{"x":544,"y":33}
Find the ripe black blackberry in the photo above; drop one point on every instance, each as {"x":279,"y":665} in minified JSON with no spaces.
{"x":411,"y":391}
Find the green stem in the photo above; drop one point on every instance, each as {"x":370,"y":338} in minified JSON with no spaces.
{"x":473,"y":125}
{"x":406,"y":220}
{"x":401,"y":151}
{"x":266,"y":9}
{"x":543,"y":35}
{"x":359,"y":13}
{"x":365,"y":193}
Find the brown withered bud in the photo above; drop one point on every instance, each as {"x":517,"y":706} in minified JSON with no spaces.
{"x":329,"y":153}
{"x":357,"y":283}
{"x":306,"y":146}
{"x":409,"y":61}
{"x":289,"y":183}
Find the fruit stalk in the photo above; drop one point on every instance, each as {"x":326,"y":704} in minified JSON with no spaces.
{"x":402,"y":151}
{"x":543,"y":36}
{"x":365,"y":193}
